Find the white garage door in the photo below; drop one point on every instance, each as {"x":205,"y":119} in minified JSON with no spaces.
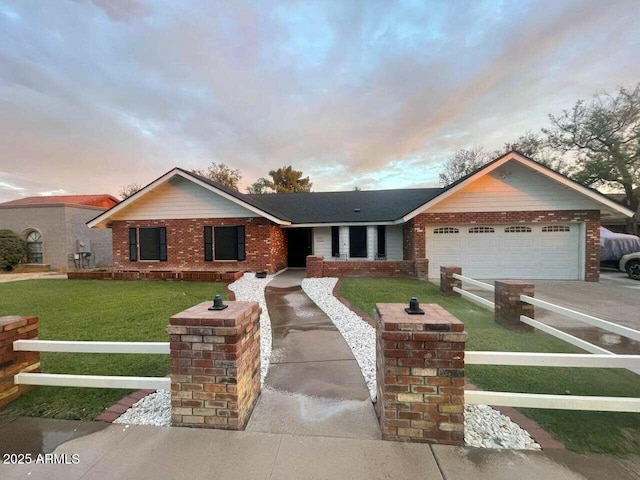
{"x":507,"y":251}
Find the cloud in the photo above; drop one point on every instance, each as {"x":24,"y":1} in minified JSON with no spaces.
{"x":96,"y":95}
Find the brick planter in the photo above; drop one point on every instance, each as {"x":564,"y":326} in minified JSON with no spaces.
{"x":12,"y":362}
{"x":215,"y":365}
{"x":420,"y":374}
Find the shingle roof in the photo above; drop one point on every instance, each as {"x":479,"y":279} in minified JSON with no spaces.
{"x":101,"y":200}
{"x":352,"y":206}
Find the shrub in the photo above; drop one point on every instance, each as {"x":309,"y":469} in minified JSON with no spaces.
{"x":12,"y":250}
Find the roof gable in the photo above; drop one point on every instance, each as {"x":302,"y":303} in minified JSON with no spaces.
{"x":596,"y":197}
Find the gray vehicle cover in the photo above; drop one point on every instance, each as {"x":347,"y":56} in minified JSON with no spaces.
{"x":614,"y":246}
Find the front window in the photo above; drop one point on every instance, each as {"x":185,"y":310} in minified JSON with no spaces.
{"x":148,"y":244}
{"x":229,"y":243}
{"x":358,"y":242}
{"x":34,"y":247}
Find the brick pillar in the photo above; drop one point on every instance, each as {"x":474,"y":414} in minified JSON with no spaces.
{"x":420,"y":372}
{"x":422,"y":269}
{"x":508,"y":304}
{"x":215,"y":365}
{"x":314,"y":266}
{"x":12,"y":362}
{"x":447,"y":282}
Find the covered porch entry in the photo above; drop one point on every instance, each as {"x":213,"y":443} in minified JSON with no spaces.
{"x":299,"y":246}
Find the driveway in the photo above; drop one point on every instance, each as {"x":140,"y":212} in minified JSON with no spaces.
{"x":615,"y":298}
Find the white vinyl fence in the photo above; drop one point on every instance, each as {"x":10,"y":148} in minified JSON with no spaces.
{"x":598,"y":358}
{"x":92,"y":381}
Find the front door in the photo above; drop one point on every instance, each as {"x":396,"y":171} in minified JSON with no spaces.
{"x":299,"y":246}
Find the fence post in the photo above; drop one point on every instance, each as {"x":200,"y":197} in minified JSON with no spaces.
{"x":422,"y":268}
{"x":215,"y":365}
{"x":447,"y":282}
{"x":420,"y":374}
{"x":12,"y":362}
{"x":314,"y":266}
{"x":509,"y":307}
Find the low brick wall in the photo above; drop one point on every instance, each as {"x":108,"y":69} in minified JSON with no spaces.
{"x":12,"y":362}
{"x":215,"y":365}
{"x":420,"y":374}
{"x":187,"y":276}
{"x":318,"y":267}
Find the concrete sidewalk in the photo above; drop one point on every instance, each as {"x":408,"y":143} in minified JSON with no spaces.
{"x":314,"y":385}
{"x":136,"y":452}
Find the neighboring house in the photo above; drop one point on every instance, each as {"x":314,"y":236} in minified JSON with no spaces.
{"x":513,"y":218}
{"x":619,"y":223}
{"x":56,"y":232}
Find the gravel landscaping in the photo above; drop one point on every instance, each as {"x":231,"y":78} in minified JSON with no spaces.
{"x":251,"y":289}
{"x":154,"y":409}
{"x":484,"y":426}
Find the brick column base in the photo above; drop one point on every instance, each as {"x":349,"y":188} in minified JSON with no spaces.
{"x":315,"y":266}
{"x":420,"y":373}
{"x":12,"y":362}
{"x":215,"y":365}
{"x":447,"y":282}
{"x":422,"y":268}
{"x":508,"y":304}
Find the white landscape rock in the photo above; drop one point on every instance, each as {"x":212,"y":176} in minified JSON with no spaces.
{"x":485,"y":427}
{"x":155,"y":409}
{"x":251,"y":289}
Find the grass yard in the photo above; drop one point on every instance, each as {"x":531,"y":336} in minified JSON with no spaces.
{"x":96,"y":310}
{"x":617,"y":433}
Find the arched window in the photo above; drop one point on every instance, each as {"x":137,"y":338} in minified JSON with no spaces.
{"x":34,"y":247}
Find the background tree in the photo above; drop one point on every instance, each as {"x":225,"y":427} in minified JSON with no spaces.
{"x":221,"y":173}
{"x":126,"y":192}
{"x":288,"y":180}
{"x":536,"y":147}
{"x":463,"y":162}
{"x":259,"y":186}
{"x":12,"y":250}
{"x":604,"y":138}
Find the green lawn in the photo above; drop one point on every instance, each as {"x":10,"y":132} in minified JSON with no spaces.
{"x":605,"y":432}
{"x":96,"y":310}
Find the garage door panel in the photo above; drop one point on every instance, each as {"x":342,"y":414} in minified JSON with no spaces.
{"x":500,"y":251}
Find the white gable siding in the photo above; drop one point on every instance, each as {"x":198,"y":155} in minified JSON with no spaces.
{"x":514,"y":187}
{"x":180,"y":198}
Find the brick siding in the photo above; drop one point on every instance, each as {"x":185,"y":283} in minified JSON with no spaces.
{"x":415,"y":230}
{"x":266,"y":247}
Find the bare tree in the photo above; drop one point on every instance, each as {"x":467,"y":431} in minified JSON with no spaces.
{"x":604,"y":137}
{"x":462,"y":163}
{"x":126,"y":192}
{"x":221,"y":173}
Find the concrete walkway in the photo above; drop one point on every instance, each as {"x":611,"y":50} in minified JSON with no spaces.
{"x":136,"y":452}
{"x":16,"y":277}
{"x":314,"y":385}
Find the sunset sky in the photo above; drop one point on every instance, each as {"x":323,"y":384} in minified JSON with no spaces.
{"x":95,"y":95}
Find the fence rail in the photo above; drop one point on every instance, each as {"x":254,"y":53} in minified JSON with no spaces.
{"x":91,"y":347}
{"x":553,"y":402}
{"x":583,"y":317}
{"x":93,"y":381}
{"x":537,"y":359}
{"x":474,"y":282}
{"x":475,"y":298}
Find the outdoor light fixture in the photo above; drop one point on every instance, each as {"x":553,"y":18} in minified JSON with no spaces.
{"x":217,"y":303}
{"x":414,"y":307}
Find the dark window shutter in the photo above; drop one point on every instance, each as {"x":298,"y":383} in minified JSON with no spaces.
{"x":382,"y":241}
{"x":163,"y":244}
{"x":335,"y":241}
{"x":133,"y":245}
{"x":208,"y":244}
{"x":241,"y":244}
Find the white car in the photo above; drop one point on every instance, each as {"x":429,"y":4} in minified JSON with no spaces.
{"x":630,"y":263}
